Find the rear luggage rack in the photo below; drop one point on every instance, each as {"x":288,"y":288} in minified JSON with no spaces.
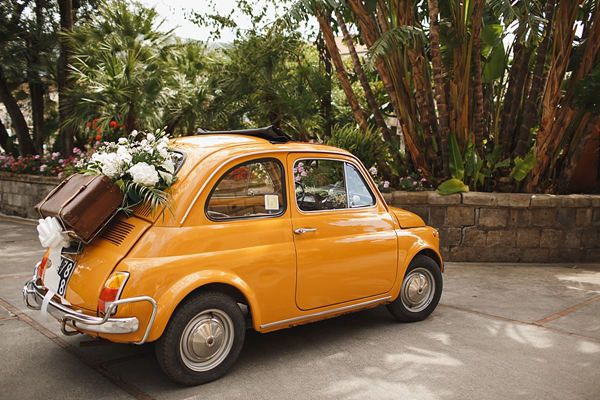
{"x":269,"y":133}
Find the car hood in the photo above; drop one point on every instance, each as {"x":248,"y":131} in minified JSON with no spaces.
{"x":100,"y":257}
{"x":406,"y":219}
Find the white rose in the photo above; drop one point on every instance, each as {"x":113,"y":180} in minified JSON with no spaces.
{"x":122,"y":141}
{"x":109,"y":164}
{"x":124,"y":155}
{"x":144,"y":174}
{"x":150,"y":137}
{"x":169,"y":166}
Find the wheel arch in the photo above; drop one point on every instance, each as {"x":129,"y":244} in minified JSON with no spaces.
{"x":217,"y":281}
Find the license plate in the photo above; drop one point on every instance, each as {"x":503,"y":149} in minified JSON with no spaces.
{"x":65,"y":270}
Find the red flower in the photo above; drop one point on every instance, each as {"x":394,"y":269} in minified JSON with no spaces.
{"x":98,"y":137}
{"x":88,"y":124}
{"x":114,"y":124}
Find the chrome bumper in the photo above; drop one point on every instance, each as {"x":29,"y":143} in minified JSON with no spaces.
{"x":33,"y":296}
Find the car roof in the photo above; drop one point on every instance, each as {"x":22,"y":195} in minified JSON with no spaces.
{"x":228,"y":145}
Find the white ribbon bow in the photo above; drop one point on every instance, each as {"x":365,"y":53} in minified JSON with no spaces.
{"x":51,"y":235}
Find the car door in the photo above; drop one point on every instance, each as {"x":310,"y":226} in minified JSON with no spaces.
{"x":346,"y":247}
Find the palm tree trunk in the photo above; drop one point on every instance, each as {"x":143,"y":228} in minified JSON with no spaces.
{"x":36,"y":90}
{"x":362,"y":77}
{"x":548,"y":136}
{"x":478,"y":89}
{"x":341,"y":71}
{"x":440,"y":95}
{"x":325,"y":106}
{"x":3,"y":137}
{"x":66,"y":133}
{"x":26,"y":146}
{"x":564,"y":179}
{"x":531,"y":113}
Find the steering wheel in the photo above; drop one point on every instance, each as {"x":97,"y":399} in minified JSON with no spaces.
{"x":300,"y":195}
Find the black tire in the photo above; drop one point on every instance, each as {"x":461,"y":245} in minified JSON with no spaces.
{"x":202,"y":340}
{"x":420,"y":292}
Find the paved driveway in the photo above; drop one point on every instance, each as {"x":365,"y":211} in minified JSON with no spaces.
{"x":502,"y":331}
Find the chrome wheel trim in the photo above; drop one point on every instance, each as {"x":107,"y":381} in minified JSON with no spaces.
{"x":206,"y":340}
{"x":418,"y":290}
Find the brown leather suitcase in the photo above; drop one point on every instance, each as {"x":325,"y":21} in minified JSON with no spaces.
{"x":82,"y":203}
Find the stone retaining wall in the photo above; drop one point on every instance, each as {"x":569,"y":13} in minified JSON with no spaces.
{"x":506,"y":227}
{"x":495,"y":227}
{"x":19,"y":193}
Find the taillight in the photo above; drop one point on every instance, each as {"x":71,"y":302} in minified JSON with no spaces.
{"x":43,"y":264}
{"x":112,"y":289}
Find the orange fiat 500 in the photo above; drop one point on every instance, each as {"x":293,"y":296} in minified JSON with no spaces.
{"x":265,"y":232}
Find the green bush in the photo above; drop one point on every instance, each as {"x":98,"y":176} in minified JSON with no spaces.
{"x":366,"y":146}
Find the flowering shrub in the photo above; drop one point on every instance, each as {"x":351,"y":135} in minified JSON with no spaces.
{"x":383,"y":186}
{"x":414,"y":182}
{"x":143,"y":170}
{"x":51,"y":165}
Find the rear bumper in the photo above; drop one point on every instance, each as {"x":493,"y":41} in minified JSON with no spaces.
{"x":33,"y":296}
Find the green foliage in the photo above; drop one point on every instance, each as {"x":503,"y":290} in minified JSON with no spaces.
{"x":456,"y":164}
{"x":365,"y":146}
{"x":522,"y":167}
{"x":452,"y":186}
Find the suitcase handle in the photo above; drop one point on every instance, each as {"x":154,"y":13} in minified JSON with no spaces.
{"x":61,"y":184}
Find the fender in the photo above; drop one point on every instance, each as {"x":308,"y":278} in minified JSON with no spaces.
{"x":173,"y":296}
{"x":415,"y":240}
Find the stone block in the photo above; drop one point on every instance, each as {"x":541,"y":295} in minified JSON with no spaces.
{"x":474,"y":237}
{"x":402,"y":198}
{"x":592,"y":255}
{"x":435,"y":198}
{"x":596,"y":217}
{"x":437,"y":216}
{"x":590,"y":238}
{"x":460,"y":216}
{"x":421,"y":211}
{"x":545,"y":200}
{"x":469,"y":254}
{"x":503,"y":254}
{"x":493,"y":217}
{"x":551,"y":238}
{"x":450,"y":236}
{"x":527,"y":238}
{"x":519,"y":218}
{"x":572,"y":239}
{"x":388,"y":197}
{"x":595,"y":199}
{"x":480,"y":199}
{"x":576,"y":200}
{"x":566,"y":217}
{"x":501,"y":238}
{"x":536,"y":255}
{"x":543,"y":217}
{"x":514,"y":200}
{"x":583,"y":216}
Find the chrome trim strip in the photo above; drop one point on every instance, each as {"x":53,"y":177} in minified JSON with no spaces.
{"x":249,"y":155}
{"x":336,"y":310}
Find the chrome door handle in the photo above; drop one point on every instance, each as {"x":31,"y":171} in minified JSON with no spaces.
{"x":300,"y":231}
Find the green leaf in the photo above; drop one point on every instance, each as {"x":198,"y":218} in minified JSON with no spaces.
{"x":503,"y":163}
{"x":493,"y":68}
{"x":522,"y":167}
{"x":457,"y":168}
{"x":492,"y":34}
{"x":452,"y":186}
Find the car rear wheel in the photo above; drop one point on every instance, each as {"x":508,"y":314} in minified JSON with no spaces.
{"x":202,"y":340}
{"x":420,"y":292}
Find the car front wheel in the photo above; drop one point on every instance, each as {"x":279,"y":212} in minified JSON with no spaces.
{"x":202,"y":340}
{"x":420,"y":292}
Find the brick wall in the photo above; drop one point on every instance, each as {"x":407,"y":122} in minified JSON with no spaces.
{"x":19,"y":193}
{"x":506,"y":227}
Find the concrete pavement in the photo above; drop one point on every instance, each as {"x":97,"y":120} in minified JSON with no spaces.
{"x":501,"y":331}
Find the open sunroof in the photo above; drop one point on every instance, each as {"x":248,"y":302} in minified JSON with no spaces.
{"x":270,"y":133}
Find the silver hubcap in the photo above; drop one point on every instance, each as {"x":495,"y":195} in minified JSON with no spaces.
{"x":418,"y":289}
{"x":206,"y":340}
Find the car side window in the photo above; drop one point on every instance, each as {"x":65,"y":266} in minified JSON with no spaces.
{"x":359,"y":194}
{"x":251,"y":189}
{"x":320,"y":185}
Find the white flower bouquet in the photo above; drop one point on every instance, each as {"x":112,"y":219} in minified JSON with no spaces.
{"x":143,"y":169}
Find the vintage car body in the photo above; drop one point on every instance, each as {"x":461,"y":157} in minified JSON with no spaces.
{"x":293,"y":262}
